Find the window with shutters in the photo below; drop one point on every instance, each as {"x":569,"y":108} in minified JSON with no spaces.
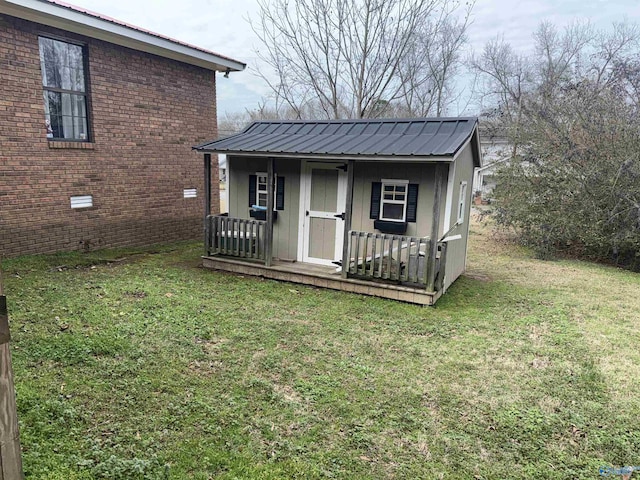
{"x":258,"y":191}
{"x":261,"y":190}
{"x":64,"y":83}
{"x":393,"y":201}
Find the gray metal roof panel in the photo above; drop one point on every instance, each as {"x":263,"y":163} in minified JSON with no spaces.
{"x":419,"y":137}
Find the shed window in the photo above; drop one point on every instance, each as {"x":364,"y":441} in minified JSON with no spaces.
{"x":462,"y":200}
{"x":393,"y":204}
{"x":258,"y":191}
{"x":64,"y":85}
{"x":261,"y":189}
{"x":394,"y":201}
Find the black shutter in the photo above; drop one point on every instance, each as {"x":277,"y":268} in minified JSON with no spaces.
{"x":412,"y":202}
{"x":280,"y":193}
{"x":253,"y":180}
{"x":376,"y":192}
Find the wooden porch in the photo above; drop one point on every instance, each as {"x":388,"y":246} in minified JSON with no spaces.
{"x":389,"y":266}
{"x":405,"y":268}
{"x":321,"y":276}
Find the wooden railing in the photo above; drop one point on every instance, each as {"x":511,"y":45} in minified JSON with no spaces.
{"x":398,"y":258}
{"x":441,"y":262}
{"x":235,"y":237}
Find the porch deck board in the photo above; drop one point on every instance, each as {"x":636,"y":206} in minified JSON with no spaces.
{"x":320,"y":276}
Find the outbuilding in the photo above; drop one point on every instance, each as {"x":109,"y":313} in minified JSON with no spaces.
{"x":378,"y":206}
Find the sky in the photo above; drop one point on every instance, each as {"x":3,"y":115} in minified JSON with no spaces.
{"x":223,"y":27}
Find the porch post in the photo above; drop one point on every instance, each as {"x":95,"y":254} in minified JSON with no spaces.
{"x":268,"y":250}
{"x":347,"y":218}
{"x":207,"y":184}
{"x":435,"y":227}
{"x":207,"y":199}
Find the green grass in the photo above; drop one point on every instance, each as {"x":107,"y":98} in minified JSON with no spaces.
{"x":139,"y":364}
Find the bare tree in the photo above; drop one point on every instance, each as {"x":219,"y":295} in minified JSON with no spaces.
{"x":506,"y":78}
{"x":514,"y":83}
{"x":359,"y":58}
{"x":232,"y":123}
{"x":430,"y":66}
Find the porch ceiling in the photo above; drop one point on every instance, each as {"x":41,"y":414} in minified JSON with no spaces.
{"x":429,"y":138}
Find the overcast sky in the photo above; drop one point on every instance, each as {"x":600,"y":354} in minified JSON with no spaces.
{"x":221,"y":26}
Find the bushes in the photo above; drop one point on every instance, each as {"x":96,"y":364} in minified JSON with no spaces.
{"x":571,"y":110}
{"x":576,"y":186}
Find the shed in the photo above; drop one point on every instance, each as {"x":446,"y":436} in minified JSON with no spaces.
{"x":377,"y":206}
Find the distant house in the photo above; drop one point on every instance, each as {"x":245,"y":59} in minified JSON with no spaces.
{"x":496,"y":151}
{"x":222,"y":168}
{"x":379,"y":207}
{"x":97,"y":120}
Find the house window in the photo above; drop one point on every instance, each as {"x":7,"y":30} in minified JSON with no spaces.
{"x":462,"y":200}
{"x":64,"y":88}
{"x":393,"y":205}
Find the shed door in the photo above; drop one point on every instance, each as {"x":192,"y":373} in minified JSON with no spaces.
{"x":323,"y":230}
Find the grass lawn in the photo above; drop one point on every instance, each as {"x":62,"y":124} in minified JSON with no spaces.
{"x":138,"y":364}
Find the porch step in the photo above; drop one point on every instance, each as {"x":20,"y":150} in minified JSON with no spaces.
{"x":321,"y":277}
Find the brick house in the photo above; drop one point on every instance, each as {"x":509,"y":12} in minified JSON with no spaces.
{"x":97,"y":120}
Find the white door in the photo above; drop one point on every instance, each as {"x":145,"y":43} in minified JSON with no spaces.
{"x":324,"y":188}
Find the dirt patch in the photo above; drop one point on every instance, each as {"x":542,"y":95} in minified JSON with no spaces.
{"x":478,"y":276}
{"x":137,"y":294}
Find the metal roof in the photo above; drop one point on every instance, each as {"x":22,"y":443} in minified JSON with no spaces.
{"x":401,"y":138}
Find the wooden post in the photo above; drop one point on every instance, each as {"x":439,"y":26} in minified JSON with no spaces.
{"x":10,"y":456}
{"x":207,"y":184}
{"x":435,"y":226}
{"x":268,"y":251}
{"x":347,"y":219}
{"x":207,"y":199}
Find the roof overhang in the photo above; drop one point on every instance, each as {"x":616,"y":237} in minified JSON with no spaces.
{"x":371,"y":140}
{"x":476,"y":148}
{"x":340,"y":158}
{"x":72,"y":19}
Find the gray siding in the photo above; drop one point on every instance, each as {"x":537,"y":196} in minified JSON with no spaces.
{"x":367,"y":173}
{"x":285,"y":229}
{"x":456,"y":250}
{"x":286,"y":226}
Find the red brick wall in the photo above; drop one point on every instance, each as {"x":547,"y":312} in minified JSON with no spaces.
{"x":146,"y":113}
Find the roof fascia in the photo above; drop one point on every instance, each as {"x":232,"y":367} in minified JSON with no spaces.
{"x":81,"y":23}
{"x":473,"y":139}
{"x":338,"y":158}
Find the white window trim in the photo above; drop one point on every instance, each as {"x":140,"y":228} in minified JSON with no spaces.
{"x":275,"y":183}
{"x":462,"y":201}
{"x":394,"y":182}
